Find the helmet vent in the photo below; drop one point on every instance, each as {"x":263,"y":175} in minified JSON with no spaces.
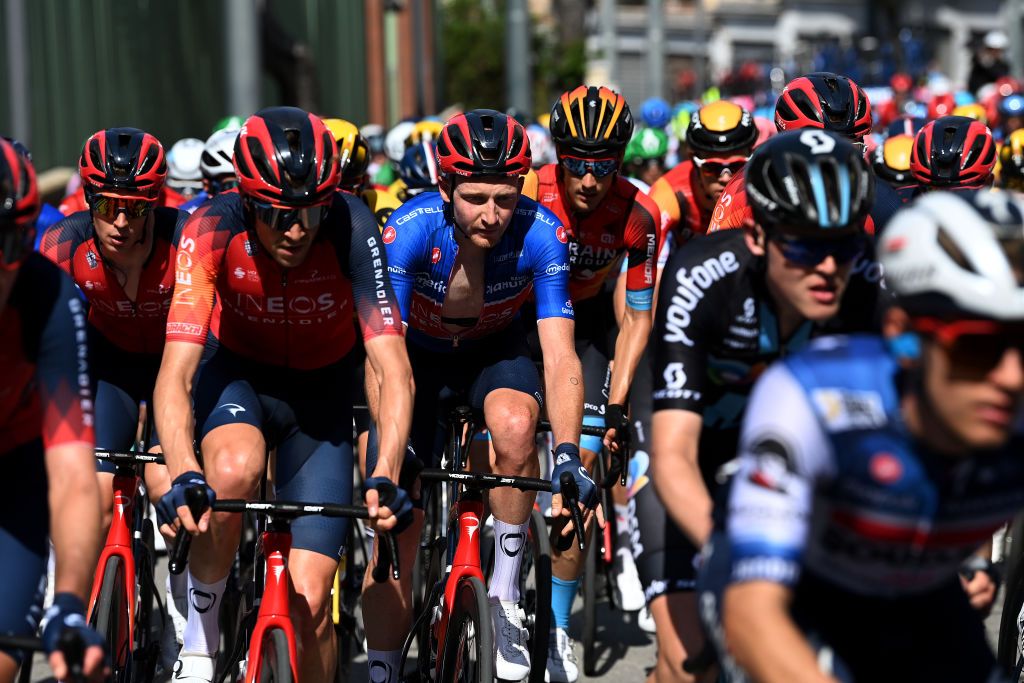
{"x":258,"y":158}
{"x":948,"y":245}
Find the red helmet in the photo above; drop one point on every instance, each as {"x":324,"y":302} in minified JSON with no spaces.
{"x":125,"y":161}
{"x":483,"y":142}
{"x":286,"y":157}
{"x":824,"y":100}
{"x":19,"y":204}
{"x":953,"y":151}
{"x":941,"y":105}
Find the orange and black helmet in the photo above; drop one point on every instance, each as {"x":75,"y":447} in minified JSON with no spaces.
{"x":591,"y":122}
{"x":719,"y":128}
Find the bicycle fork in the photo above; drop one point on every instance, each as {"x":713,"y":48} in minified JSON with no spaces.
{"x":274,"y":609}
{"x":468,"y":516}
{"x":119,"y":543}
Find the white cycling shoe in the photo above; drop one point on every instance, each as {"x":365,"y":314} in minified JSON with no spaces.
{"x":645,"y":620}
{"x":561,"y":666}
{"x":628,"y":591}
{"x":193,"y":667}
{"x":511,"y":654}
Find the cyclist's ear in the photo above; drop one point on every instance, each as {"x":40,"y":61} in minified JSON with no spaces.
{"x":754,"y":234}
{"x":446,"y":188}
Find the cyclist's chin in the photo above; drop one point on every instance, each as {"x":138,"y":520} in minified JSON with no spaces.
{"x":290,"y":257}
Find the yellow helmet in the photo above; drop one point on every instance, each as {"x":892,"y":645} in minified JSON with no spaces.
{"x":719,"y":128}
{"x":891,"y":159}
{"x":353,"y":151}
{"x":973,"y":110}
{"x":544,"y":120}
{"x":424,"y":130}
{"x":1011,"y":161}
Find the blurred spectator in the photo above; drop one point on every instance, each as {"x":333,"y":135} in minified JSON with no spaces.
{"x":989,"y":63}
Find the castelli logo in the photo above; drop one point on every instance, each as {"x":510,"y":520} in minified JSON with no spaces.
{"x":435,"y":255}
{"x":561,"y":234}
{"x":885,"y":468}
{"x":390,"y":234}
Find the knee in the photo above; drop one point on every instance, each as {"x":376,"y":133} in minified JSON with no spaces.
{"x":513,"y":422}
{"x":312,"y":602}
{"x":232,"y":472}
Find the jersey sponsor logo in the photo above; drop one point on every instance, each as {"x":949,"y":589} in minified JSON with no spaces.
{"x":885,"y":468}
{"x":239,"y":273}
{"x":250,"y":247}
{"x":183,"y":273}
{"x":232,"y":408}
{"x":78,"y":319}
{"x":585,"y":255}
{"x":514,"y":282}
{"x":539,"y":216}
{"x":280,"y":305}
{"x":389,"y":234}
{"x":872,"y":271}
{"x":674,"y":384}
{"x":416,"y":212}
{"x":91,"y":260}
{"x":188,"y":329}
{"x":775,"y":569}
{"x":126,"y":308}
{"x":91,"y":285}
{"x":774,"y":463}
{"x":435,"y":255}
{"x":556,"y":268}
{"x":561,"y":234}
{"x":690,"y":288}
{"x":846,"y":409}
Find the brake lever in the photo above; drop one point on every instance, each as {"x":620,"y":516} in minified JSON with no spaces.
{"x":197,"y":501}
{"x":73,"y":649}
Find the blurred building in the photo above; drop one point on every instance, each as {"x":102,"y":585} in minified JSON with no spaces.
{"x":708,"y":41}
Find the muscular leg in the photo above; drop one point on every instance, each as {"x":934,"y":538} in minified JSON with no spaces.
{"x":312,"y":575}
{"x":511,"y":418}
{"x":679,"y":635}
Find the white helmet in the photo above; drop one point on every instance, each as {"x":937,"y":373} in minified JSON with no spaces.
{"x":541,"y":146}
{"x":183,"y":160}
{"x":394,"y":141}
{"x":957,"y":255}
{"x":218,"y":152}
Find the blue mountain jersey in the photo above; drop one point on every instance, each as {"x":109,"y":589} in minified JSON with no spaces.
{"x":831,"y":482}
{"x":532,"y":256}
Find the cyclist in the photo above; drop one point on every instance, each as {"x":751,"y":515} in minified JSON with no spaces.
{"x":606,"y":219}
{"x":891,"y":163}
{"x":417,"y":171}
{"x":1011,"y":162}
{"x":267,"y":279}
{"x":47,"y":436}
{"x":953,"y":152}
{"x":820,"y":100}
{"x":121,"y":252}
{"x":463,"y":261}
{"x":217,"y":168}
{"x":719,"y":138}
{"x":644,"y":160}
{"x":354,"y":153}
{"x":905,"y":453}
{"x":48,"y":215}
{"x":184,"y":176}
{"x":1011,"y":114}
{"x":730,"y":303}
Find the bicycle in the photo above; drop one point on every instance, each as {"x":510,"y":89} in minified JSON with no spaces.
{"x":123,"y":590}
{"x":453,"y":628}
{"x":346,"y":607}
{"x":70,"y":644}
{"x":269,"y":633}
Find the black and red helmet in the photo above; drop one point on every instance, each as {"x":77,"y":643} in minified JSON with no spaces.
{"x":483,"y":142}
{"x":19,"y":204}
{"x":824,"y":100}
{"x":286,"y":157}
{"x":123,"y":161}
{"x":953,"y":151}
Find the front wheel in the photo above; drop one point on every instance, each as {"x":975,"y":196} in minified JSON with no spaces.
{"x":535,"y":589}
{"x":276,"y":666}
{"x":110,"y":618}
{"x":469,"y":643}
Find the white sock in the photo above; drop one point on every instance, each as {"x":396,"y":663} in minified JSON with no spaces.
{"x":202,"y":633}
{"x":383,"y":666}
{"x":509,"y":541}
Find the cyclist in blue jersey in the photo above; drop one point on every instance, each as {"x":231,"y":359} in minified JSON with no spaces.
{"x":871,"y":468}
{"x":462,"y":262}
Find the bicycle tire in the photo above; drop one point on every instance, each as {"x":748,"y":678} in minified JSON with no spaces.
{"x":110,"y":619}
{"x":1008,"y":648}
{"x":425,"y":643}
{"x":589,"y":639}
{"x":463,"y":661}
{"x":145,"y":642}
{"x":537,"y":600}
{"x":276,"y":665}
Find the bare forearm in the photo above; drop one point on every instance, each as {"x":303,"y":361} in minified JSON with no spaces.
{"x":393,"y":419}
{"x":632,"y":339}
{"x":74,"y":500}
{"x":766,"y":642}
{"x":678,"y":482}
{"x":563,"y":380}
{"x":175,"y":424}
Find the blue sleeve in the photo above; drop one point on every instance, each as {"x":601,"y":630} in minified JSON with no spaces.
{"x":405,"y":237}
{"x":549,"y":258}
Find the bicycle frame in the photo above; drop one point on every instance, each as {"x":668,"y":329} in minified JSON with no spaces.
{"x":119,"y":543}
{"x":274,"y":608}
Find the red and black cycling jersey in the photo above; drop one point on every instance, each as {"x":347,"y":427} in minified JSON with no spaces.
{"x":627,"y":221}
{"x":228,"y":286}
{"x":681,"y":215}
{"x":44,"y":391}
{"x":135,"y":325}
